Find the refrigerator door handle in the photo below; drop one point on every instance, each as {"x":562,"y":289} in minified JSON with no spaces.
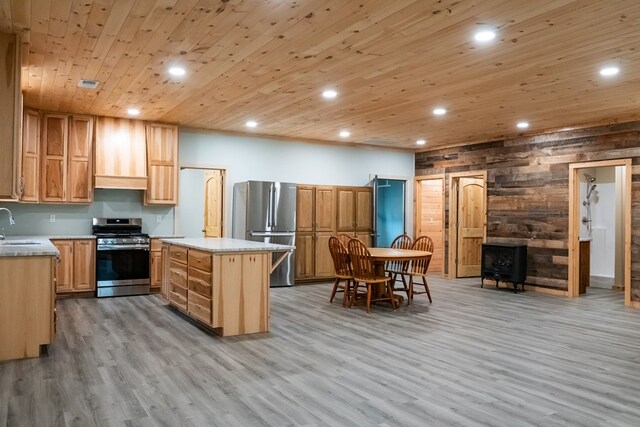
{"x":270,"y":207}
{"x":274,"y":210}
{"x":270,"y":234}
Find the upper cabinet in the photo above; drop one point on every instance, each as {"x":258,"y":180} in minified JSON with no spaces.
{"x":162,"y":160}
{"x":66,"y":158}
{"x":121,"y":154}
{"x":10,"y":117}
{"x":30,"y":179}
{"x":354,"y":209}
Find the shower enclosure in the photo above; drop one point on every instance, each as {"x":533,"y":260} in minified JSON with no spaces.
{"x":586,"y":220}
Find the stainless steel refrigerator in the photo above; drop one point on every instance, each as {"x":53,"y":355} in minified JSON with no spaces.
{"x":266,"y":212}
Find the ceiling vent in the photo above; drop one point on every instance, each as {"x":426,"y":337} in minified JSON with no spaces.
{"x":89,"y":84}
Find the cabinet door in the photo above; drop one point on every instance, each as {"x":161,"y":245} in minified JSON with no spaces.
{"x":324,"y":262}
{"x":156,"y":270}
{"x":304,"y":256}
{"x":325,"y":208}
{"x":364,"y":237}
{"x":64,"y":268}
{"x":54,"y":158}
{"x":10,"y":115}
{"x":30,"y":157}
{"x":304,"y":208}
{"x":162,"y":160}
{"x":254,"y":296}
{"x":79,"y":184}
{"x":84,"y":265}
{"x":363,"y":209}
{"x":345,"y":208}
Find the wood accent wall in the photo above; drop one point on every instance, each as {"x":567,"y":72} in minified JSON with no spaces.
{"x":528,"y":190}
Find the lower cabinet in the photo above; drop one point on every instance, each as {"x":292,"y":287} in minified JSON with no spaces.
{"x":313,"y":259}
{"x":227,"y":292}
{"x":155,"y":266}
{"x":76,"y":269}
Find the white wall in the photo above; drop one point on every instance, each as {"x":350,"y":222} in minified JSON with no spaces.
{"x":263,"y":159}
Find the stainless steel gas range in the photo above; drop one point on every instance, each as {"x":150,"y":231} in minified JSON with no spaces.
{"x":122,"y":258}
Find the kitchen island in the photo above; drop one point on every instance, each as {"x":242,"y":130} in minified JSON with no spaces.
{"x":27,"y":296}
{"x":222,"y":283}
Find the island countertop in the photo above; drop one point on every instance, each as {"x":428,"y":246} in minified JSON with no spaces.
{"x":224,"y":244}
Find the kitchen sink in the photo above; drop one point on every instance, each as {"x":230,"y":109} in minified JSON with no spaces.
{"x":18,"y":243}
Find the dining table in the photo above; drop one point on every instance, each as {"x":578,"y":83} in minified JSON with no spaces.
{"x":380,"y":256}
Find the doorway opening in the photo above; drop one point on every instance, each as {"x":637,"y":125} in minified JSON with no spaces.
{"x":200,"y":211}
{"x":467,"y":222}
{"x":389,"y":210}
{"x":430,"y":216}
{"x":600,"y":227}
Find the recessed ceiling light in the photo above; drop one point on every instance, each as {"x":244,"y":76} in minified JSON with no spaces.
{"x":609,"y":71}
{"x":251,"y":124}
{"x":177,"y":71}
{"x":485,"y":35}
{"x":439,"y":111}
{"x":133,"y":111}
{"x":421,"y":142}
{"x":523,"y":125}
{"x":345,"y":134}
{"x":329,"y":94}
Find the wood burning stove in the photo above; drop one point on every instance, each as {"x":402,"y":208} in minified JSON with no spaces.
{"x":504,"y":263}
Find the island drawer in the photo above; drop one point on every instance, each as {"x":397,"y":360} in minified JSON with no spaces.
{"x":178,"y":296}
{"x":178,"y":274}
{"x":200,"y":307}
{"x":178,"y":253}
{"x":200,"y":282}
{"x":200,"y":259}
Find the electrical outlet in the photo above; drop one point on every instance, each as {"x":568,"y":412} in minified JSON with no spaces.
{"x":52,"y":218}
{"x":158,"y":219}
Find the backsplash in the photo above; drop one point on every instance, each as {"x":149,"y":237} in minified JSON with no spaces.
{"x":32,"y":219}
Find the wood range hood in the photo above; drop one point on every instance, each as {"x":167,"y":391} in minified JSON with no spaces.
{"x":120,"y":154}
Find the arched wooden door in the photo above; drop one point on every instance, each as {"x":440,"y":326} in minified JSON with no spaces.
{"x":471,"y":218}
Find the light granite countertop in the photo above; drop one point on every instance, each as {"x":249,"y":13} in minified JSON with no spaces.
{"x":224,"y":244}
{"x":67,"y":237}
{"x":165,"y":236}
{"x":44,"y":247}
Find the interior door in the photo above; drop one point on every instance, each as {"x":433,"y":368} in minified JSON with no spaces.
{"x":213,"y":204}
{"x":389,"y":203}
{"x":429,"y":218}
{"x":471,"y":217}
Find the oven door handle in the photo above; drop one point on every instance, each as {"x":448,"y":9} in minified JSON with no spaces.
{"x":123,"y":248}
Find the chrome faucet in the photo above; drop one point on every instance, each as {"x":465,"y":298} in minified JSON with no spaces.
{"x":12,"y":221}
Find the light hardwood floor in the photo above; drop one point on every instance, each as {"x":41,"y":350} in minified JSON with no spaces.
{"x":473,"y":357}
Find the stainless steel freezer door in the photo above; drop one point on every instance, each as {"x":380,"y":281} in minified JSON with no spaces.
{"x":284,"y":274}
{"x":259,"y":205}
{"x":284,"y":207}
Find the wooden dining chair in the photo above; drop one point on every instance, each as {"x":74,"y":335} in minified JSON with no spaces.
{"x":418,"y":268}
{"x":342,"y":266}
{"x":399,"y":268}
{"x":344,"y":239}
{"x":363,"y":272}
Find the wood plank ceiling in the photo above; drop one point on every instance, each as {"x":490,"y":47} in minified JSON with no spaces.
{"x":392,"y":62}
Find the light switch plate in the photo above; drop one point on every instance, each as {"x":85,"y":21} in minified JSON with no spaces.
{"x":158,"y":219}
{"x":52,"y":218}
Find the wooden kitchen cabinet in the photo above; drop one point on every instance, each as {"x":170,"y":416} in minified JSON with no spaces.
{"x":10,"y":117}
{"x":66,"y":158}
{"x":162,"y":161}
{"x":75,"y":271}
{"x":30,"y":178}
{"x":155,"y":266}
{"x":354,"y":211}
{"x":315,"y":224}
{"x":164,"y":279}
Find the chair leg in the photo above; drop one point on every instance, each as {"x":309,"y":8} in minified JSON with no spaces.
{"x":426,"y":288}
{"x":410,"y":291}
{"x":404,"y":282}
{"x":347,"y":292}
{"x":390,"y":292}
{"x":353,"y":293}
{"x":334,"y":290}
{"x":369,"y":290}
